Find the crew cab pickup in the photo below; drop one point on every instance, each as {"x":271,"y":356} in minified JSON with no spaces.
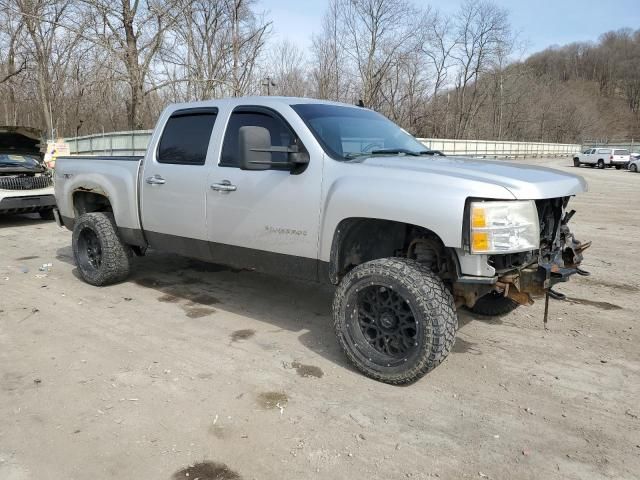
{"x":332,"y":193}
{"x":26,"y":185}
{"x":603,"y":157}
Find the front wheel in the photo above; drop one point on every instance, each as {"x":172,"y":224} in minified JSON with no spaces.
{"x":395,"y":319}
{"x":100,"y":255}
{"x":576,"y":162}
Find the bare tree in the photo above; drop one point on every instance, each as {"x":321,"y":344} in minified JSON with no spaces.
{"x":216,"y":49}
{"x":374,"y":35}
{"x":133,"y":33}
{"x":484,"y":33}
{"x":50,"y":47}
{"x":440,"y":41}
{"x":287,"y":68}
{"x":328,"y":72}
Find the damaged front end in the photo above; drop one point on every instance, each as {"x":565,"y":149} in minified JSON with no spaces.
{"x":533,"y":274}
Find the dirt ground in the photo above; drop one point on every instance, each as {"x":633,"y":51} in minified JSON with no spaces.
{"x":189,"y":363}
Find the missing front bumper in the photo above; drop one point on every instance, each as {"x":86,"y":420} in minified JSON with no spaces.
{"x":536,"y":280}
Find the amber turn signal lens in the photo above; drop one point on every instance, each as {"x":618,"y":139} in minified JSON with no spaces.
{"x":480,"y":241}
{"x":478,"y":218}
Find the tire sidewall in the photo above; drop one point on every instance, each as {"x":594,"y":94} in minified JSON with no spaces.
{"x":428,"y":298}
{"x":349,"y":323}
{"x":116,"y":257}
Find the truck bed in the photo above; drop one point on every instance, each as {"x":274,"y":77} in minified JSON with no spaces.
{"x":115,"y":177}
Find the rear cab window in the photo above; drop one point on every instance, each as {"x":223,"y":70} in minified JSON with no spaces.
{"x":621,"y":152}
{"x":186,"y":135}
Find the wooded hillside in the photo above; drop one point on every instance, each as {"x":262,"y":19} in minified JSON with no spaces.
{"x":84,"y":66}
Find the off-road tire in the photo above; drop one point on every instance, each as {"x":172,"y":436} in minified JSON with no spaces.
{"x":46,"y":214}
{"x":494,"y":304}
{"x":601,"y":164}
{"x":116,"y":257}
{"x":430,"y":303}
{"x":576,"y":162}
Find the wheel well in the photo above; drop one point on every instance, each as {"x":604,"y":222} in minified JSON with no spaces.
{"x":359,"y":240}
{"x":87,"y":202}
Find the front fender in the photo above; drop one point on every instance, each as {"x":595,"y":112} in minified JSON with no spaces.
{"x":435,"y":206}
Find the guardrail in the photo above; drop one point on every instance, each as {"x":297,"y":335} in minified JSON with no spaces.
{"x":135,"y":143}
{"x":500,"y":149}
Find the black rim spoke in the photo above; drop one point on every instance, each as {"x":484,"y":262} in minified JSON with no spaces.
{"x":386,"y":321}
{"x":91,"y":247}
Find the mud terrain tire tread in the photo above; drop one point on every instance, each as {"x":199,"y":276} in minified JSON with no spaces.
{"x":117,"y":257}
{"x":431,"y":302}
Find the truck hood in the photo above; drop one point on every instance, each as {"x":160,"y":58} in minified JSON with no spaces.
{"x":21,"y":150}
{"x":525,"y":182}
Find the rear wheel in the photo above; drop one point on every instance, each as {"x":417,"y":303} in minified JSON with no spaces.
{"x":395,"y":319}
{"x":601,"y":164}
{"x":618,"y":167}
{"x":576,"y":162}
{"x":100,"y":255}
{"x":494,"y":304}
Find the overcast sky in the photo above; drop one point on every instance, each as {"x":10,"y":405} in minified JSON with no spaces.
{"x":539,"y":23}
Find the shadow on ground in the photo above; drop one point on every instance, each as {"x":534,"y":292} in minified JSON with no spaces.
{"x":27,"y":219}
{"x":287,"y":303}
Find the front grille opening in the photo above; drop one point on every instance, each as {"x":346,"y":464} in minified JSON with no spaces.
{"x":25,"y":182}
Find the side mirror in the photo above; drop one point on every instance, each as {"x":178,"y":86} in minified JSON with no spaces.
{"x":255,"y":151}
{"x":254,"y":144}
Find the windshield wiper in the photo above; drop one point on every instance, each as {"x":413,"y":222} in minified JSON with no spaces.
{"x":390,"y":151}
{"x":395,"y":151}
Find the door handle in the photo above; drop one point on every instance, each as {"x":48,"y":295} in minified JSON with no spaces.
{"x":224,"y":186}
{"x":155,"y":180}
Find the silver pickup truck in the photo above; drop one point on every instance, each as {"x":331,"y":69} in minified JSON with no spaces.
{"x":331,"y":193}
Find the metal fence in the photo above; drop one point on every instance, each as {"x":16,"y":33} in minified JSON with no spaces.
{"x":135,"y":143}
{"x":114,"y":143}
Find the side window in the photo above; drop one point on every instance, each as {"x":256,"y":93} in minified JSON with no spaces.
{"x":186,"y":136}
{"x":281,"y":135}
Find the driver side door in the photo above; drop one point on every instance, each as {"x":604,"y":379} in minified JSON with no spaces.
{"x":265,"y":220}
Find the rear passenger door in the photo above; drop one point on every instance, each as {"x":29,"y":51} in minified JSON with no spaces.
{"x":174,"y":183}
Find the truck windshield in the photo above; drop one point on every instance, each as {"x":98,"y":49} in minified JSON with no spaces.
{"x":351,"y":132}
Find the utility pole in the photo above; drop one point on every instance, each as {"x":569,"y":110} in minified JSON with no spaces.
{"x":268,"y":83}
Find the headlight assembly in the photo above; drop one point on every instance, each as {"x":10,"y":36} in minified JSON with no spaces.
{"x":504,"y":227}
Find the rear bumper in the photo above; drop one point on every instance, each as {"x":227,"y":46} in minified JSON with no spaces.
{"x":616,"y":163}
{"x":26,"y":204}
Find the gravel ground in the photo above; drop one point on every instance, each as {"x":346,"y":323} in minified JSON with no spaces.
{"x":239,"y":373}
